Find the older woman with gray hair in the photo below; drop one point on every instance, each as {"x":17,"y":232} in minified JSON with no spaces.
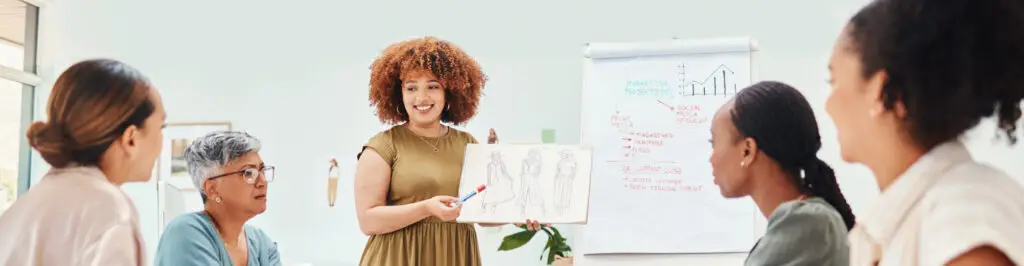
{"x":232,"y":179}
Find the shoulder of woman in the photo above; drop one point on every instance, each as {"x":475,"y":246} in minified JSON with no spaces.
{"x":193,"y":223}
{"x":255,"y":233}
{"x":463,"y":136}
{"x":388,"y":133}
{"x":387,"y":137}
{"x":104,"y":201}
{"x":971,"y":206}
{"x":973,"y":181}
{"x":811,"y":211}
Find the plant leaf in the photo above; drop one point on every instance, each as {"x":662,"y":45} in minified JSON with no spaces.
{"x":552,"y":245}
{"x":562,"y":249}
{"x":516,"y":240}
{"x":551,"y":256}
{"x":547,"y":231}
{"x":555,"y":230}
{"x":546,"y":247}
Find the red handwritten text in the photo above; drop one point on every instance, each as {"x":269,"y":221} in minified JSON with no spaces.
{"x":651,"y":142}
{"x":644,"y":183}
{"x":653,"y":135}
{"x":651,"y":169}
{"x":690,"y":115}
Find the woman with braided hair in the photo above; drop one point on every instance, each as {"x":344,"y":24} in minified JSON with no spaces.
{"x":765,"y":143}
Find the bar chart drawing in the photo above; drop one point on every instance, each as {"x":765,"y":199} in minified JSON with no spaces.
{"x":720,"y":82}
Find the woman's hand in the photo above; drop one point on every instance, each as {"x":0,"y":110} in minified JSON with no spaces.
{"x":441,"y":207}
{"x":533,"y":225}
{"x":492,"y":138}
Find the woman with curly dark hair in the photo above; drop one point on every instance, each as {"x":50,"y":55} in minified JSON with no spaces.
{"x":909,"y":77}
{"x":408,"y":176}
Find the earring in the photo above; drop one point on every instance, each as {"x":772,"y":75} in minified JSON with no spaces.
{"x":447,"y":107}
{"x":217,"y":199}
{"x":743,"y":164}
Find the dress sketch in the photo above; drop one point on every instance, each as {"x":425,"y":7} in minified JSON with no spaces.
{"x":499,"y":184}
{"x":530,"y":190}
{"x":565,"y":173}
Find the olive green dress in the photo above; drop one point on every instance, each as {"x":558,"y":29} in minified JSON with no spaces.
{"x":418,"y":172}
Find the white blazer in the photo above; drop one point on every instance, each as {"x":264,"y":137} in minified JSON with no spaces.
{"x":944,"y":205}
{"x":74,"y":216}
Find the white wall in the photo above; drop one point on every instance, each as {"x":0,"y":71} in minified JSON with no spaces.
{"x":294,"y":73}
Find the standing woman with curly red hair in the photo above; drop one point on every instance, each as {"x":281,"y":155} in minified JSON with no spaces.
{"x":408,"y":176}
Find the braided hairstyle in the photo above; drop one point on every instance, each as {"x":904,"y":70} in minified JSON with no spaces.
{"x":779,"y":119}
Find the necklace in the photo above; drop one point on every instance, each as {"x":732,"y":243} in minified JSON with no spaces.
{"x":238,"y":243}
{"x":437,"y":141}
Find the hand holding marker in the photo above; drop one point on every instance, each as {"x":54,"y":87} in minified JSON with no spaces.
{"x":470,"y":195}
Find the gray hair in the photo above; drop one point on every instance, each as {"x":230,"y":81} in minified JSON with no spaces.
{"x":208,"y":155}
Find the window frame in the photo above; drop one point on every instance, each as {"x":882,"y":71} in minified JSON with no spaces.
{"x":30,"y":81}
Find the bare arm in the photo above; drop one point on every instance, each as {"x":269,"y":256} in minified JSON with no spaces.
{"x":985,"y":255}
{"x":373,"y":176}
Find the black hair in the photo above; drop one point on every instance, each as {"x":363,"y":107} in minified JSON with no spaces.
{"x":781,"y":122}
{"x":950,"y":63}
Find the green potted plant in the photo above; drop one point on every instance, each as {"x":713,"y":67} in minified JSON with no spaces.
{"x":557,"y":247}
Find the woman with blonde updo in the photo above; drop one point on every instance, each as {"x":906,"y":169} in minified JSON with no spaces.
{"x":104,"y":129}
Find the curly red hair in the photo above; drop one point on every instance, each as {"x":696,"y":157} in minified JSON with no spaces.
{"x":459,"y":74}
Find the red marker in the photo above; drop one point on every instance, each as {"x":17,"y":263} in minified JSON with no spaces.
{"x":471,"y":194}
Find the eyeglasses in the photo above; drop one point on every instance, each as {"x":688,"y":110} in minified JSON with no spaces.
{"x":251,"y":174}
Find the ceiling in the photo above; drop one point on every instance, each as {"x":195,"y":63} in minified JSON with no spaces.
{"x":12,"y":20}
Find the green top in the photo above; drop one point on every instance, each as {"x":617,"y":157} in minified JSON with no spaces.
{"x":418,"y":172}
{"x":804,"y":232}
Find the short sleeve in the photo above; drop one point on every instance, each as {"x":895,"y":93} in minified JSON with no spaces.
{"x":185,"y":242}
{"x":795,"y":236}
{"x":972,"y":218}
{"x":470,"y":139}
{"x":117,"y":246}
{"x":383,"y":144}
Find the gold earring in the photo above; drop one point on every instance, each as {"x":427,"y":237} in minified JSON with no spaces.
{"x":217,"y":199}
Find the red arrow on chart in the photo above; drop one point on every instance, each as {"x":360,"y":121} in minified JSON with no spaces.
{"x":666,"y":105}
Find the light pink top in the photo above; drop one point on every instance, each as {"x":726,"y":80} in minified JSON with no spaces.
{"x":74,"y":216}
{"x":943,"y":206}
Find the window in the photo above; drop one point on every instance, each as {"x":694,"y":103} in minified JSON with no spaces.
{"x":10,"y":140}
{"x":18,"y":21}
